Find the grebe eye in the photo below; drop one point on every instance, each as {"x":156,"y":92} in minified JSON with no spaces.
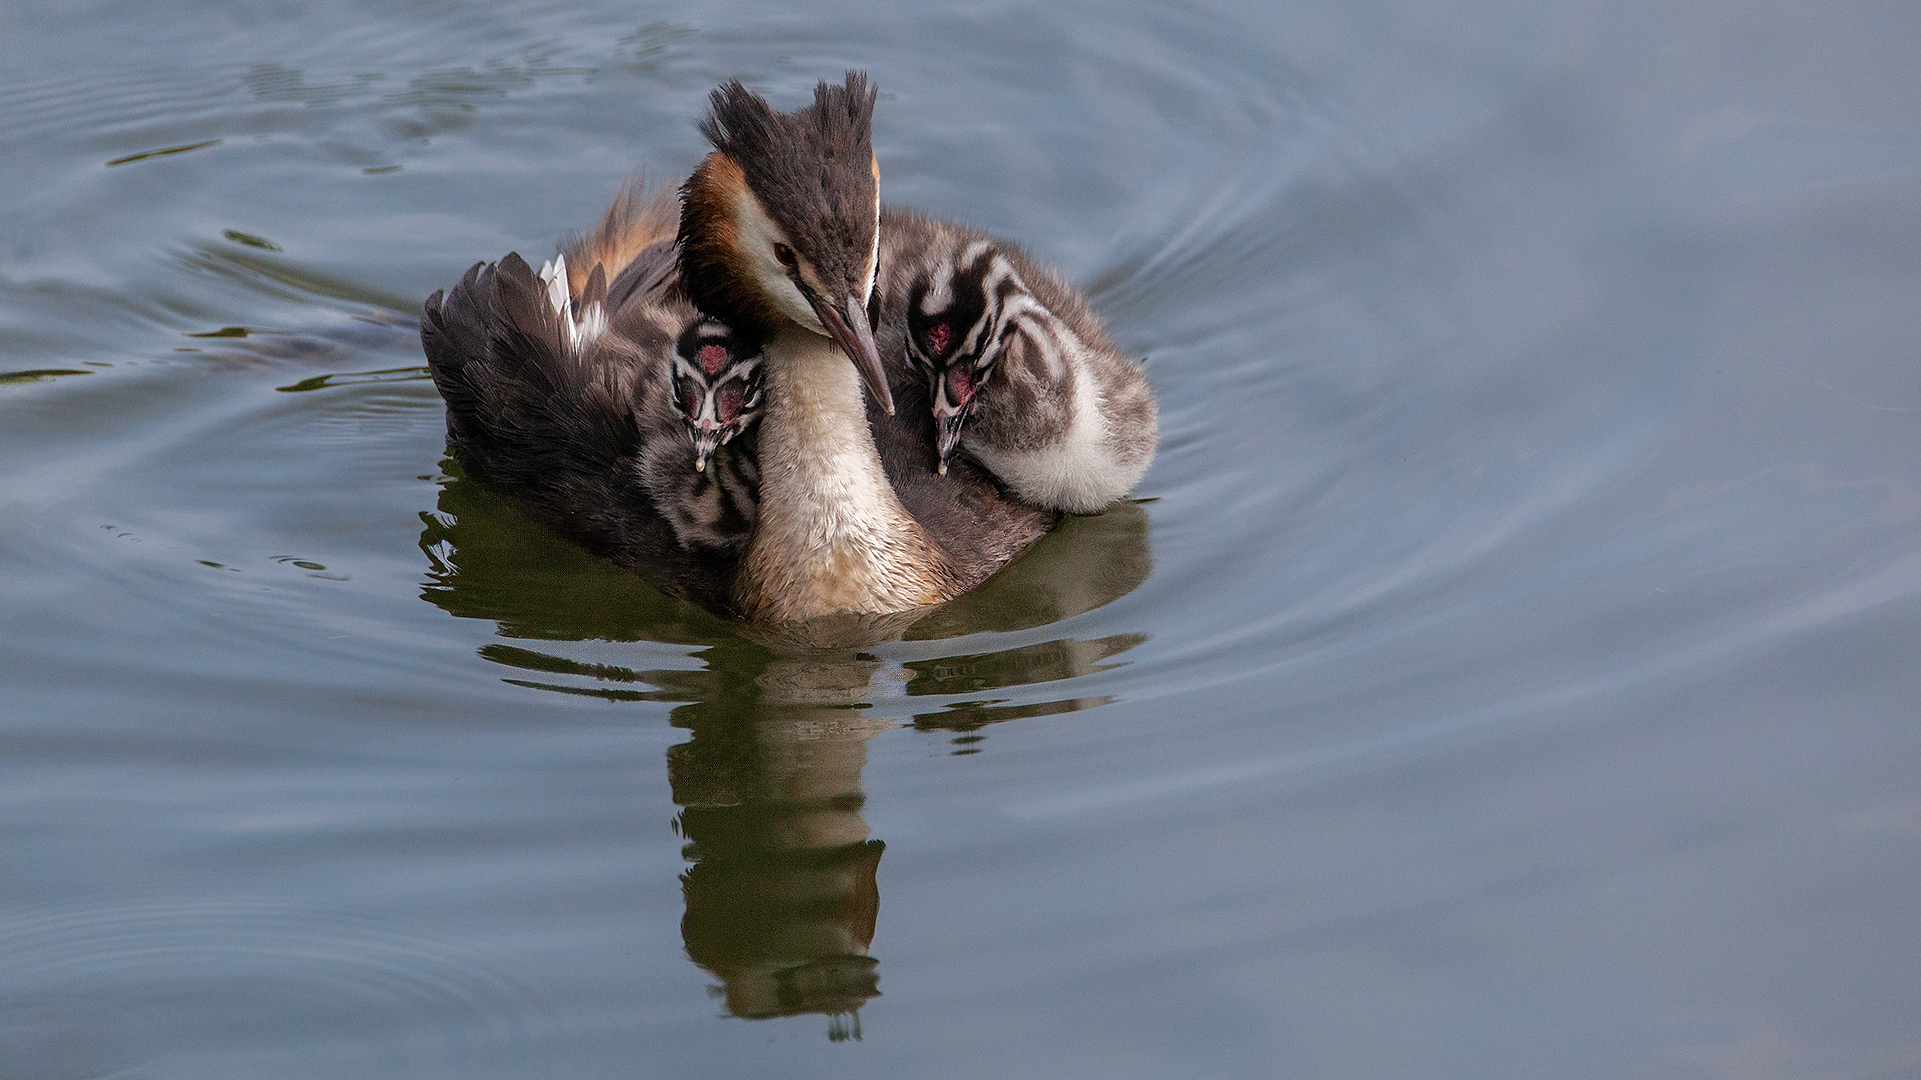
{"x":785,"y":255}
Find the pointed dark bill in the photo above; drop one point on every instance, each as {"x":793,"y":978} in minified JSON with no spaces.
{"x":947,"y":433}
{"x":706,"y":441}
{"x":850,"y":331}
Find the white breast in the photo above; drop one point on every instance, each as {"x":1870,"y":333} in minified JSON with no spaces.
{"x":831,"y":535}
{"x":1085,"y":467}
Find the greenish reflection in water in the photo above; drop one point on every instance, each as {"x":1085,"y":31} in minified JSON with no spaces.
{"x":781,"y":891}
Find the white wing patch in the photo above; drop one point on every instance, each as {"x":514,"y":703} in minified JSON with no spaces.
{"x":579,"y":331}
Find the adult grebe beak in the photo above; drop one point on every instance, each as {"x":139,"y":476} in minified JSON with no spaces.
{"x":849,"y":329}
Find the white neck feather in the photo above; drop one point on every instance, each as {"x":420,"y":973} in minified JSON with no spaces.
{"x":831,"y":536}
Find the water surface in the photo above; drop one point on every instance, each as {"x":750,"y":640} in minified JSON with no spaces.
{"x":1509,"y":671}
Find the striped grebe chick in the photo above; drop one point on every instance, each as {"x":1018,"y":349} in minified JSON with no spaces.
{"x":1018,"y":367}
{"x":716,"y":385}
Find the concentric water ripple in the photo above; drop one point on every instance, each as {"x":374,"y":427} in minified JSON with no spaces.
{"x":1505,"y":672}
{"x":132,"y":989}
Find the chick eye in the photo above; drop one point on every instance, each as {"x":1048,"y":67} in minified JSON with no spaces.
{"x":785,"y":255}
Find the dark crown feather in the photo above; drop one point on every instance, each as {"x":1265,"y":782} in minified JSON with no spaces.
{"x":839,"y":124}
{"x":812,"y":169}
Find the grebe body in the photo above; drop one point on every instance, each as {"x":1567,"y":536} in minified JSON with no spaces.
{"x":711,"y":406}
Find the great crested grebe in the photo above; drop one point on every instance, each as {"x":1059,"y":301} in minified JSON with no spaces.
{"x":562,"y":389}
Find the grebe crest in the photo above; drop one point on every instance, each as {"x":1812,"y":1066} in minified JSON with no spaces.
{"x":781,"y":223}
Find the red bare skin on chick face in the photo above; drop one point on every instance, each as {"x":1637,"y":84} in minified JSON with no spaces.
{"x":712,"y":359}
{"x":963,"y":382}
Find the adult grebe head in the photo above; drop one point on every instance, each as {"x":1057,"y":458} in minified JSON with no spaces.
{"x":781,"y":223}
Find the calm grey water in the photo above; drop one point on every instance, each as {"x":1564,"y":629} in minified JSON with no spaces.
{"x":1510,"y":672}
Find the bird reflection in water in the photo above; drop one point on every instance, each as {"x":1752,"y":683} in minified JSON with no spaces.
{"x":781,"y":892}
{"x":781,"y":896}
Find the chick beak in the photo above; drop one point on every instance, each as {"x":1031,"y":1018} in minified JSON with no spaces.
{"x":848,"y":327}
{"x":948,"y":419}
{"x":706,"y":441}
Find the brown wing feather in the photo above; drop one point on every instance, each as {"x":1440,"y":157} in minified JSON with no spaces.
{"x":637,"y":220}
{"x":563,"y":433}
{"x":975,"y":523}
